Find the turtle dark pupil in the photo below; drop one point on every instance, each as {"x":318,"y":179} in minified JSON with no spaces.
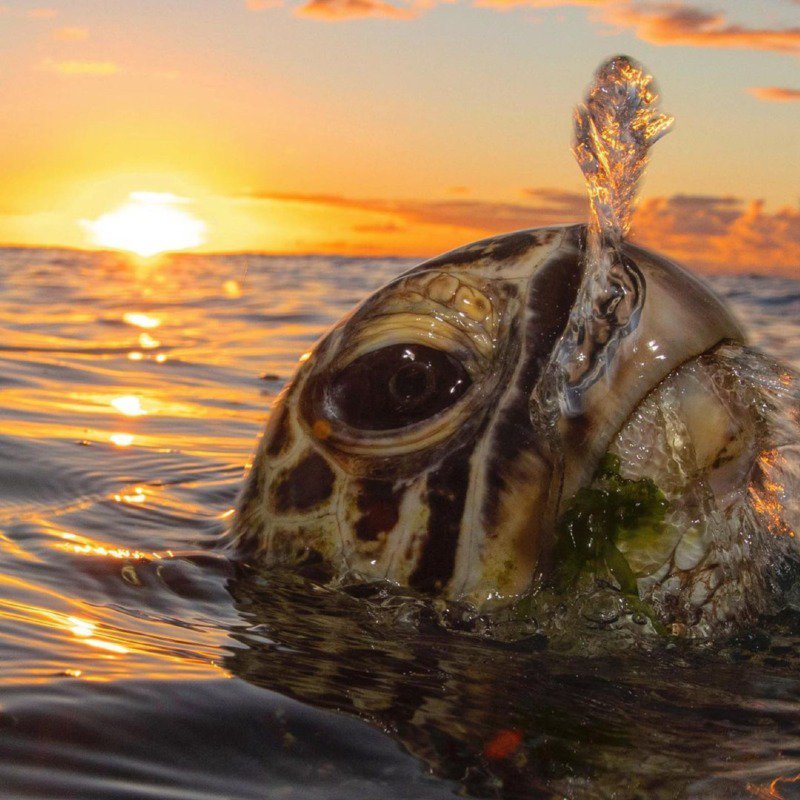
{"x":396,"y":386}
{"x":412,"y":382}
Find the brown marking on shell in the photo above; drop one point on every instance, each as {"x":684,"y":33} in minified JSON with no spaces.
{"x":498,"y":248}
{"x":446,"y":497}
{"x":379,"y":504}
{"x":250,"y":517}
{"x":552,"y":293}
{"x":304,"y":486}
{"x":290,"y":546}
{"x":515,"y":245}
{"x":521,"y":543}
{"x":279,"y":433}
{"x":462,"y":257}
{"x":253,"y":486}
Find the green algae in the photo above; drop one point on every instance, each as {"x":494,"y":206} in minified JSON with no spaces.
{"x":611,"y":515}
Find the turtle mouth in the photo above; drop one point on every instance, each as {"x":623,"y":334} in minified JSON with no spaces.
{"x":655,"y":521}
{"x":625,"y":536}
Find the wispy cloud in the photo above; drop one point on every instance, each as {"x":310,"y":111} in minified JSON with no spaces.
{"x":71,"y":34}
{"x":676,"y":23}
{"x":775,"y":94}
{"x":470,"y":215}
{"x":334,"y":10}
{"x":673,"y":22}
{"x":88,"y":68}
{"x":262,"y":5}
{"x":541,"y":3}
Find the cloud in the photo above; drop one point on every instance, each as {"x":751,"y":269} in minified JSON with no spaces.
{"x":671,"y":23}
{"x":571,"y":204}
{"x":708,"y":232}
{"x":675,"y":23}
{"x":89,"y":68}
{"x":351,"y":9}
{"x":384,"y":227}
{"x":722,"y":234}
{"x":775,"y":94}
{"x":335,"y":10}
{"x":470,"y":215}
{"x":541,"y":3}
{"x":71,"y":34}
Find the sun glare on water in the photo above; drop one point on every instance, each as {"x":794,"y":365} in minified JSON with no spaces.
{"x":147,"y":224}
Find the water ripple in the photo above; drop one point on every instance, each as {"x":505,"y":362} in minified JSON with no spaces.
{"x":138,"y":662}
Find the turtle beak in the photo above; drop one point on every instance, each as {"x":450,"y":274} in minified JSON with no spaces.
{"x":667,"y":317}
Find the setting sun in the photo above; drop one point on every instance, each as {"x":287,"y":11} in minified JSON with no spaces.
{"x":148,"y":224}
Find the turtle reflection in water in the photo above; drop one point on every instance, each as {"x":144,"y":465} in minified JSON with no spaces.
{"x":548,"y":414}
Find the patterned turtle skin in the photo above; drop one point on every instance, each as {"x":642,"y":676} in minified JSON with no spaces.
{"x":422,"y":441}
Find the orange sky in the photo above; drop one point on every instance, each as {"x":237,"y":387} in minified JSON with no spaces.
{"x":372,"y":127}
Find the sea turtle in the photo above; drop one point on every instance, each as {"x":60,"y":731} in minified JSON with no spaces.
{"x":420,"y":443}
{"x":526,"y":411}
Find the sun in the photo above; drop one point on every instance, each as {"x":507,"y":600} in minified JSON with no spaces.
{"x":147,"y":224}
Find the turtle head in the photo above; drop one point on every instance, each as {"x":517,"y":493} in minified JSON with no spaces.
{"x":425,"y":440}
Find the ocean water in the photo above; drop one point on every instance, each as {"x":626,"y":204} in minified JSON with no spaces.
{"x":137,"y":661}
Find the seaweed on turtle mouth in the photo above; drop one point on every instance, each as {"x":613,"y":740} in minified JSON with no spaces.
{"x":611,"y":510}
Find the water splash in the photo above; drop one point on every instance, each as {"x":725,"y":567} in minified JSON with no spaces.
{"x":614,"y":129}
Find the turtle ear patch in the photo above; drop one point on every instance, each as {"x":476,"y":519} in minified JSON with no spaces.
{"x":446,"y":498}
{"x":279,"y":433}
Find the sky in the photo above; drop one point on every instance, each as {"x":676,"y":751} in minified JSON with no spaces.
{"x":389,"y":127}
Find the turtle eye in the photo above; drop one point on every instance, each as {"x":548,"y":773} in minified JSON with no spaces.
{"x":396,"y":386}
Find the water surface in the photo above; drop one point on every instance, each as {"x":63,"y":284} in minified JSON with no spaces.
{"x":136,"y":661}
